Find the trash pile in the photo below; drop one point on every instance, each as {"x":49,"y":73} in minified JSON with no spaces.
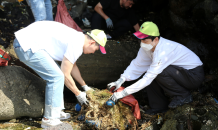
{"x":101,"y":116}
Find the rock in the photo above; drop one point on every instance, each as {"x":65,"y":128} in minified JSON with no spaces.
{"x":21,"y":93}
{"x":63,"y":126}
{"x":13,"y":121}
{"x":97,"y":69}
{"x":169,"y":125}
{"x":194,"y":117}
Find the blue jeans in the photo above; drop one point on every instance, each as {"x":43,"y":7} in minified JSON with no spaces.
{"x":41,"y":9}
{"x":47,"y":69}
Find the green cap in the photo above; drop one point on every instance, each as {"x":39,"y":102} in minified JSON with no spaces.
{"x":147,"y":29}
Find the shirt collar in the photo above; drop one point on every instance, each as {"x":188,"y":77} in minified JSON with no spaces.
{"x":158,"y":45}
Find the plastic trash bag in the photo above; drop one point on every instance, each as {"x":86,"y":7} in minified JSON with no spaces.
{"x":64,"y":17}
{"x":131,"y":101}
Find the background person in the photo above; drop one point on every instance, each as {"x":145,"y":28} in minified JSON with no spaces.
{"x":41,"y":9}
{"x":171,"y":69}
{"x":42,"y":43}
{"x":115,"y":14}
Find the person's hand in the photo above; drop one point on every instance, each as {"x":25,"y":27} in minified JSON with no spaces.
{"x":118,"y":95}
{"x":86,"y":88}
{"x":82,"y":98}
{"x":116,"y":84}
{"x":109,"y":23}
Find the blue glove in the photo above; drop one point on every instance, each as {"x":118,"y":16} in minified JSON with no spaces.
{"x":118,"y":95}
{"x":109,"y":23}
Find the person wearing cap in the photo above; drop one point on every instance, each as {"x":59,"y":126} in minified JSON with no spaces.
{"x":42,"y":43}
{"x":171,"y":70}
{"x":115,"y":14}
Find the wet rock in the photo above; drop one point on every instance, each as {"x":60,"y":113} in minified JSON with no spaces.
{"x":180,"y":126}
{"x":21,"y":93}
{"x":169,"y":125}
{"x":12,"y":121}
{"x":200,"y":111}
{"x":63,"y":126}
{"x":194,"y":117}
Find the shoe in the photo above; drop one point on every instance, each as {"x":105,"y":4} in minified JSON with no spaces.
{"x":64,"y":115}
{"x":179,"y":102}
{"x":189,"y":99}
{"x":155,"y":111}
{"x":50,"y":123}
{"x":86,"y":22}
{"x":108,"y":37}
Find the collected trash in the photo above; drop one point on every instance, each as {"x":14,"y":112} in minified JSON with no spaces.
{"x":115,"y":116}
{"x":110,"y":103}
{"x":216,"y":100}
{"x":81,"y":117}
{"x":4,"y":58}
{"x":93,"y":123}
{"x":159,"y":120}
{"x":77,"y":107}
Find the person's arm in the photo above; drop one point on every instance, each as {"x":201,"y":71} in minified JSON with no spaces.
{"x":138,"y":66}
{"x":66,"y":68}
{"x":136,"y":27}
{"x":77,"y":76}
{"x":99,"y":9}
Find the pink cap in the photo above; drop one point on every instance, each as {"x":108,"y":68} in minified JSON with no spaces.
{"x":140,"y":35}
{"x":102,"y":49}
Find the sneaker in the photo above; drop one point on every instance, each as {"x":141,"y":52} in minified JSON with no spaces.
{"x":188,"y":99}
{"x":64,"y":115}
{"x":86,"y":22}
{"x":108,"y":37}
{"x":179,"y":102}
{"x":155,"y":111}
{"x":50,"y":123}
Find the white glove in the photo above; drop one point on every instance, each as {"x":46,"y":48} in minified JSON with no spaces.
{"x":118,"y":95}
{"x":82,"y":98}
{"x":86,"y":88}
{"x":116,"y":84}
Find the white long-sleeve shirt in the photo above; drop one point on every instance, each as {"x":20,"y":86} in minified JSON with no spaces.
{"x":166,"y":53}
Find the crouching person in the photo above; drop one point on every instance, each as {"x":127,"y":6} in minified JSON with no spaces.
{"x":171,"y":70}
{"x":42,"y":43}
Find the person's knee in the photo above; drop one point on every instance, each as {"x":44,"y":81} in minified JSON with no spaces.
{"x":59,"y":77}
{"x":165,"y":72}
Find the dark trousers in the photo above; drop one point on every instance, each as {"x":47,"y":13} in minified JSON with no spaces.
{"x":119,"y":26}
{"x":173,"y":81}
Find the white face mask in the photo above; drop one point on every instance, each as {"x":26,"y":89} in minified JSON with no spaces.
{"x":146,"y":47}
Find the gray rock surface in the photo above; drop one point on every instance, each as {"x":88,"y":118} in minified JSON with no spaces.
{"x":98,"y":70}
{"x":21,"y":93}
{"x":63,"y":126}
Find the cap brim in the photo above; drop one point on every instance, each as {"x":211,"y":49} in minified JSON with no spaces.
{"x":102,"y":49}
{"x":140,"y":35}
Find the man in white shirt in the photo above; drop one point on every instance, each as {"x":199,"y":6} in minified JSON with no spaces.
{"x":171,"y":69}
{"x":42,"y":43}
